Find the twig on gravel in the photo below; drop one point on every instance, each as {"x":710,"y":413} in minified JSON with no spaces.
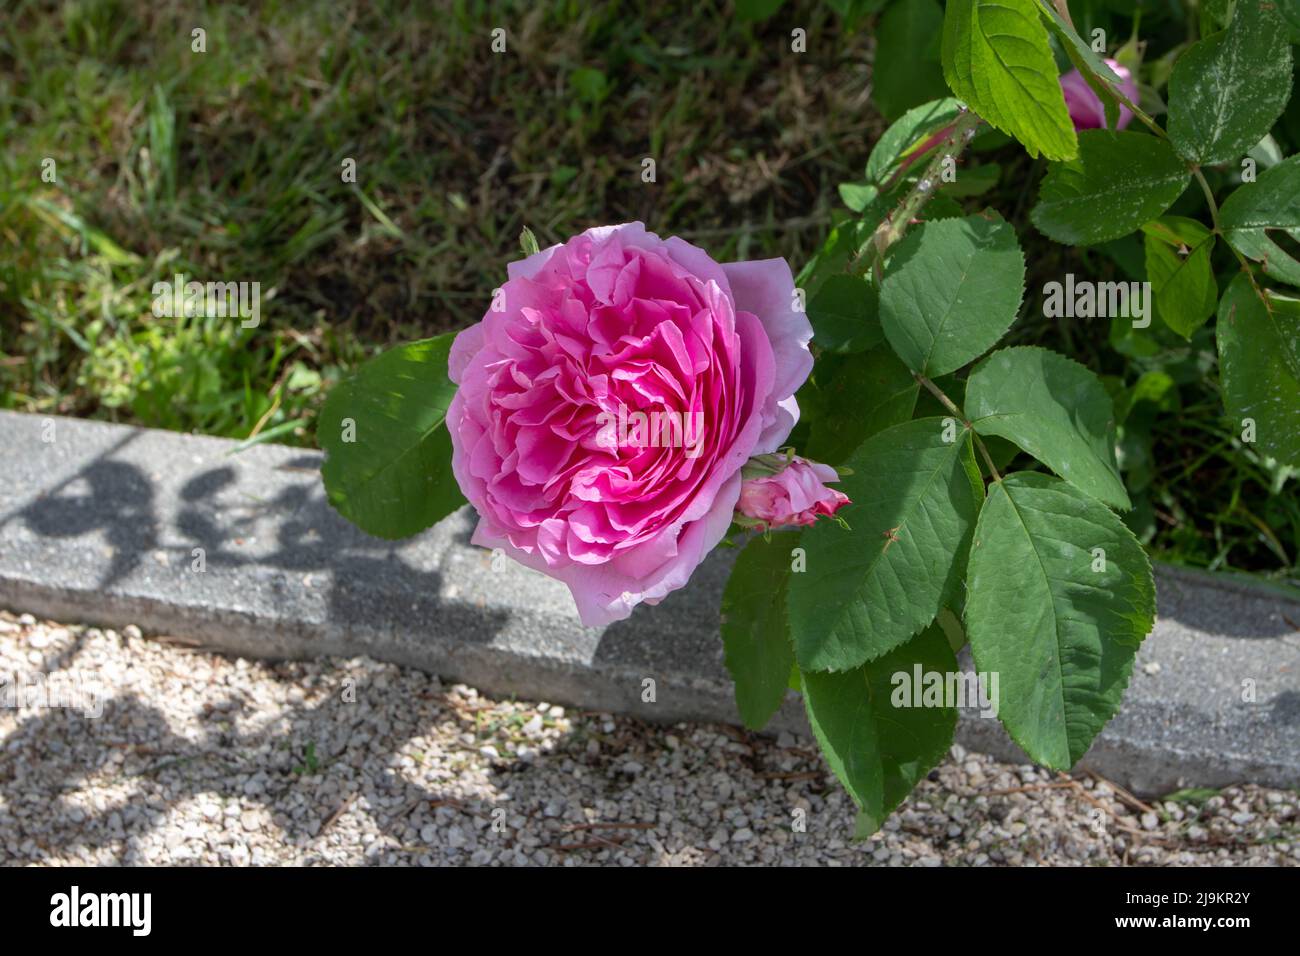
{"x":343,"y":808}
{"x":1120,"y":792}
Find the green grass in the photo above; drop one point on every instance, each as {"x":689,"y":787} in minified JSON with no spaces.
{"x":226,"y":166}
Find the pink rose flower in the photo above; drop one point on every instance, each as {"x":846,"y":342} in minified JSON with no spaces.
{"x":1085,"y":106}
{"x":795,"y":495}
{"x":547,"y":442}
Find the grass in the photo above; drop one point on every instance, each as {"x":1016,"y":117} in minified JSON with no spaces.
{"x":226,"y":165}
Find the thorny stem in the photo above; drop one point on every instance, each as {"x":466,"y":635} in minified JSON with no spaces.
{"x":891,"y":228}
{"x":949,"y":404}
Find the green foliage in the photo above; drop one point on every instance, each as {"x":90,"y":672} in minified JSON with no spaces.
{"x":1272,"y":202}
{"x":951,"y":290}
{"x":907,"y":71}
{"x":1060,"y":595}
{"x":755,"y":640}
{"x":880,"y":750}
{"x":388,"y":457}
{"x":1119,"y":182}
{"x":916,"y":493}
{"x":1259,"y":350}
{"x":1182,"y":278}
{"x":997,"y":58}
{"x":1228,"y":89}
{"x":1054,"y":409}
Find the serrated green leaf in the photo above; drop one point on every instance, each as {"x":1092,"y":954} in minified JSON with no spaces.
{"x":997,"y":58}
{"x":1271,"y":202}
{"x":951,"y":290}
{"x":867,"y":590}
{"x":1178,"y":266}
{"x":1228,"y":90}
{"x":906,"y":71}
{"x":395,"y":479}
{"x":862,"y":395}
{"x":1059,"y":621}
{"x":1259,"y":360}
{"x":1053,"y":408}
{"x":755,"y":636}
{"x":902,"y":144}
{"x":845,"y":314}
{"x":1119,"y":182}
{"x":878,"y":748}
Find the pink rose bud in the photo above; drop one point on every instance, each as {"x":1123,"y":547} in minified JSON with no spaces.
{"x":794,"y":494}
{"x":1085,"y":106}
{"x":609,"y":399}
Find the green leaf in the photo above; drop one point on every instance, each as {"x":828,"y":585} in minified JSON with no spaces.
{"x":858,"y":196}
{"x":755,"y":637}
{"x":1259,"y":359}
{"x":1059,"y":621}
{"x":1228,"y":90}
{"x":862,"y":395}
{"x":878,"y":748}
{"x":906,"y":71}
{"x":845,"y":314}
{"x":867,"y":590}
{"x":1178,"y":267}
{"x":997,"y":58}
{"x":1271,"y":202}
{"x":1119,"y":182}
{"x":395,"y":479}
{"x":951,"y":290}
{"x":901,"y":145}
{"x":1053,"y":408}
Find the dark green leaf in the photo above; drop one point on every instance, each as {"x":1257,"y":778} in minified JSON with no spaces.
{"x":867,"y":590}
{"x":1059,"y":597}
{"x":951,"y":290}
{"x":1120,"y":182}
{"x":755,"y":638}
{"x":1259,"y":358}
{"x":876,"y":742}
{"x":1053,"y":408}
{"x":1228,"y":90}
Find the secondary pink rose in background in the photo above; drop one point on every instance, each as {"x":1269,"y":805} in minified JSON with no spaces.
{"x":616,"y":326}
{"x":1085,"y":106}
{"x":794,"y":495}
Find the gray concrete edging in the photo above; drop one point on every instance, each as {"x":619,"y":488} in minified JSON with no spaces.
{"x":99,"y":524}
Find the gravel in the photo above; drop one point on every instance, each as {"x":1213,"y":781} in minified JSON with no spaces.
{"x":201,"y":759}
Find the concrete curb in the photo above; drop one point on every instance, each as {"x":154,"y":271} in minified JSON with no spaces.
{"x":100,"y":523}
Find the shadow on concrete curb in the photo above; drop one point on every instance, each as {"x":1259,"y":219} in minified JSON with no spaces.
{"x":114,"y":525}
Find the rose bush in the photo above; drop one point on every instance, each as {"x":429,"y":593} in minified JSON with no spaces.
{"x":979,"y":490}
{"x":613,"y":323}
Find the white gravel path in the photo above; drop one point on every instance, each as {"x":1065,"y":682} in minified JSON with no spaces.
{"x":202,"y":759}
